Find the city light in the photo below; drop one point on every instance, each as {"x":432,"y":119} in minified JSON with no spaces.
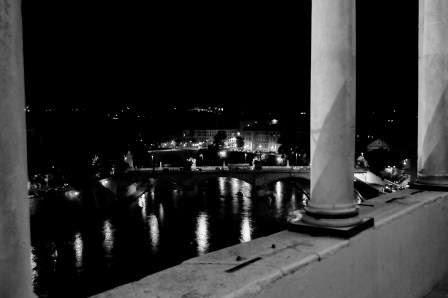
{"x":279,"y":160}
{"x":105,"y":182}
{"x":72,"y":194}
{"x":405,"y":162}
{"x":222,"y":154}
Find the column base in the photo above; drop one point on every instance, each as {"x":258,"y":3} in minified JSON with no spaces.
{"x":331,"y":222}
{"x":350,"y":210}
{"x":336,"y":227}
{"x":432,"y":183}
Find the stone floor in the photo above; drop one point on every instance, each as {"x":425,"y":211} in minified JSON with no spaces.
{"x":440,"y":290}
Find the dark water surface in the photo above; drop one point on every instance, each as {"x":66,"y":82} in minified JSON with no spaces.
{"x":76,"y":252}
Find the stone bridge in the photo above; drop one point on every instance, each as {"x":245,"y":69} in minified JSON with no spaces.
{"x":300,"y":176}
{"x":183,"y":178}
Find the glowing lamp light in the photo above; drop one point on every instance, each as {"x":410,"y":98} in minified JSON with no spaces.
{"x":72,"y":194}
{"x":105,"y":182}
{"x":279,"y":159}
{"x":222,"y":154}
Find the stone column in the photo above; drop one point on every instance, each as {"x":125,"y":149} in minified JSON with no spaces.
{"x":432,"y":166}
{"x":15,"y":269}
{"x":333,"y":86}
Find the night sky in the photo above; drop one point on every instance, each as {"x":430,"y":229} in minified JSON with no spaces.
{"x":110,"y":51}
{"x":257,"y":55}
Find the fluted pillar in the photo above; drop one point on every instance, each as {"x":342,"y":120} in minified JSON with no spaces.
{"x":333,"y":97}
{"x":433,"y":93}
{"x":15,"y":271}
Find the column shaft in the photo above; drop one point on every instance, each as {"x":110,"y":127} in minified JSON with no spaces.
{"x":333,"y":89}
{"x":433,"y":93}
{"x":15,"y":271}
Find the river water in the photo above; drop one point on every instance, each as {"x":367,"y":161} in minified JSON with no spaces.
{"x":76,"y":253}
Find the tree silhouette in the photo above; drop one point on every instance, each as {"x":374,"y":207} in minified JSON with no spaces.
{"x":219,"y":138}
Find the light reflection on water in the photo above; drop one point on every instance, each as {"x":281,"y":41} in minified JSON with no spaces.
{"x":235,"y":185}
{"x":202,"y":233}
{"x":278,"y":195}
{"x":79,"y":247}
{"x":160,"y":229}
{"x":142,"y":203}
{"x":108,"y":236}
{"x":293,"y":200}
{"x":161,"y":213}
{"x":154,"y":231}
{"x":246,"y":229}
{"x":247,"y":205}
{"x":222,"y":188}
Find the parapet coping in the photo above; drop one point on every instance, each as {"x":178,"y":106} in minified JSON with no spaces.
{"x":268,"y":258}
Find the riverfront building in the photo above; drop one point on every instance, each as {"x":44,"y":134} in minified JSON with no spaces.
{"x":262,"y":140}
{"x":207,"y":135}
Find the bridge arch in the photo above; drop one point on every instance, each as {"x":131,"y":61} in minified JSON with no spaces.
{"x":198,"y":180}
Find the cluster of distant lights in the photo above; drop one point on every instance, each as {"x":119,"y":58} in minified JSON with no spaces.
{"x":182,"y":144}
{"x":129,"y":108}
{"x":117,"y":115}
{"x":208,"y":109}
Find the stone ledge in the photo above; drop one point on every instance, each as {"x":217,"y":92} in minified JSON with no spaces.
{"x":206,"y":276}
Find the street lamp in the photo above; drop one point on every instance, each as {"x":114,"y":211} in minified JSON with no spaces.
{"x":223,"y":154}
{"x":296,"y":158}
{"x":245,"y":157}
